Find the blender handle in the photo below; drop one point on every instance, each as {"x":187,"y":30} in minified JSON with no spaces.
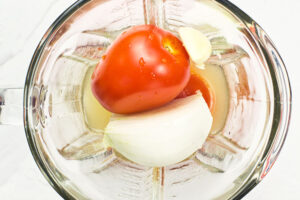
{"x":11,"y":106}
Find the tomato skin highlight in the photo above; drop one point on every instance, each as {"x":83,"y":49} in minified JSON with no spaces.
{"x":146,"y":67}
{"x":198,"y":83}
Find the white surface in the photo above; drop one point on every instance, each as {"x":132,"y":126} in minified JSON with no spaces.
{"x":22,"y":24}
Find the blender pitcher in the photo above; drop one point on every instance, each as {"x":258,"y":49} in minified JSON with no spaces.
{"x":70,"y":152}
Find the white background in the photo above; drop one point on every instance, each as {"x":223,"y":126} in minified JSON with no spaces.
{"x":22,"y":24}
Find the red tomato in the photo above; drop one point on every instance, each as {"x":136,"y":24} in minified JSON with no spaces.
{"x":198,"y":83}
{"x":144,"y":68}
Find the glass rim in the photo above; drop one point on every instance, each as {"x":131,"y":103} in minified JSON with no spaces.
{"x":275,"y":140}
